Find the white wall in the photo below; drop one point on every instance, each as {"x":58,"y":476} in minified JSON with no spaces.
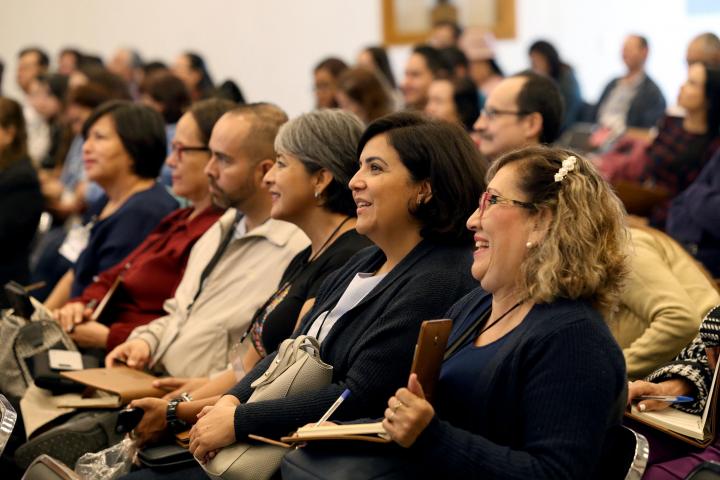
{"x":270,"y":46}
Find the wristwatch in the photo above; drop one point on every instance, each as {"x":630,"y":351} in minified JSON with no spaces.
{"x":174,"y":424}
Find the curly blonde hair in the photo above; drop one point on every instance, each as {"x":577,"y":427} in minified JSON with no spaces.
{"x":584,"y":252}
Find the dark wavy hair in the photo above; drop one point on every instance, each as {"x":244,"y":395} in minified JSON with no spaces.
{"x":445,"y":156}
{"x":141,"y":131}
{"x":712,"y":98}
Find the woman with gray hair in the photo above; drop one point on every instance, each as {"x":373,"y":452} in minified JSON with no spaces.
{"x":309,"y":187}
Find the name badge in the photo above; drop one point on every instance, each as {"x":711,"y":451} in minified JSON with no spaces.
{"x":75,"y":242}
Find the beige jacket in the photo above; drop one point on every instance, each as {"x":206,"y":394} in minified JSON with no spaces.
{"x":197,"y":344}
{"x":665,"y":299}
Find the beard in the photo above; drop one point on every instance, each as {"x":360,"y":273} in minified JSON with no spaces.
{"x":225,"y":199}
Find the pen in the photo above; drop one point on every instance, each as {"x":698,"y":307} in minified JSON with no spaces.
{"x":334,"y":407}
{"x":667,"y":398}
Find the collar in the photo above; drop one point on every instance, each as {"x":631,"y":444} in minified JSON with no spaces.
{"x":277,"y":232}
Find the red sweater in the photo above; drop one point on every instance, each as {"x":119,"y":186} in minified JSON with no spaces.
{"x":150,"y":274}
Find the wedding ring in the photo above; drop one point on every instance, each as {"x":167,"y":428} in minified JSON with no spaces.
{"x":399,"y":404}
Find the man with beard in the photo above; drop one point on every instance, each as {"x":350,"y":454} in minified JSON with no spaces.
{"x":234,"y":267}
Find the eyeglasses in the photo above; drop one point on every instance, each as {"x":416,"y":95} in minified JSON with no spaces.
{"x":488,"y":198}
{"x":180,"y":149}
{"x":491,"y":113}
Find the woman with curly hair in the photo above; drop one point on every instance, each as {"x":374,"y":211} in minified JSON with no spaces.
{"x":533,"y":380}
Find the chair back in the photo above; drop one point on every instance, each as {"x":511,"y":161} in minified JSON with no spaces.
{"x":624,"y":455}
{"x":45,"y":467}
{"x":8,"y":417}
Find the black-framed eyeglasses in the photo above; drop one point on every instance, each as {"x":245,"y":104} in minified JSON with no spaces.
{"x":492,"y":113}
{"x":488,"y":198}
{"x":180,"y":149}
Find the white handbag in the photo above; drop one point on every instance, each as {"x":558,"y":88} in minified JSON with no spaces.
{"x":297,"y":368}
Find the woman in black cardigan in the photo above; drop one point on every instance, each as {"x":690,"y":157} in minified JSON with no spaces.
{"x":418,"y":180}
{"x":21,"y":202}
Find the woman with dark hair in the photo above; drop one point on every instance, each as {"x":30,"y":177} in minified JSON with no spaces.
{"x":167,"y":94}
{"x":326,"y":74}
{"x":21,"y":202}
{"x":456,"y":101}
{"x":682,"y":147}
{"x":376,"y":59}
{"x":361,"y":92}
{"x":124,"y":149}
{"x":151,"y":272}
{"x":190,"y":67}
{"x":417,"y":181}
{"x":545,"y":60}
{"x":47,"y":97}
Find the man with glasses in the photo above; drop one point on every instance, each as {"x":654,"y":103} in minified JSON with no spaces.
{"x":525,"y":109}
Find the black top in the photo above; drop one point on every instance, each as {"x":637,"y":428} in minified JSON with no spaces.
{"x":275,"y":321}
{"x":21,"y":204}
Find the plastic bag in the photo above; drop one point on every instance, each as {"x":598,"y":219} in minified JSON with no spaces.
{"x":107,"y":464}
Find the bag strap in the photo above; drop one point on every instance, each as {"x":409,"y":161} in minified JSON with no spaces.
{"x":461,"y":341}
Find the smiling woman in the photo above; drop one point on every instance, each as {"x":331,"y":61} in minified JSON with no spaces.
{"x":417,"y":183}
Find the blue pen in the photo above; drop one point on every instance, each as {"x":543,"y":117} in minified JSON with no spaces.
{"x":667,"y":398}
{"x":334,"y":407}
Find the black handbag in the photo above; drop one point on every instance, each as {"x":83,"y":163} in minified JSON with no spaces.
{"x":166,"y":457}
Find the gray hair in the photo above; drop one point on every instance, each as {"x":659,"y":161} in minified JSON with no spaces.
{"x":325,"y":139}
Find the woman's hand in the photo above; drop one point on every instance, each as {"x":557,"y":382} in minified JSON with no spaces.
{"x":90,"y":335}
{"x":72,"y":314}
{"x":408,"y":413}
{"x":178,"y":385}
{"x":154,"y":420}
{"x":214,"y":429}
{"x":676,"y":386}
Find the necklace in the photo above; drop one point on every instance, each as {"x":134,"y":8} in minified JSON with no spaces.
{"x":258,"y":321}
{"x":494,"y":322}
{"x":327,"y":241}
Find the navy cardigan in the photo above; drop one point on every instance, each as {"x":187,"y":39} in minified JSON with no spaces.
{"x":371,"y":346}
{"x":558,"y":386}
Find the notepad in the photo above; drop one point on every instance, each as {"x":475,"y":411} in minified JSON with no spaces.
{"x":698,"y":430}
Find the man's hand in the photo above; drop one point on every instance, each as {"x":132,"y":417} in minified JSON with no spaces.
{"x":178,"y":385}
{"x":133,"y":353}
{"x":154,"y":420}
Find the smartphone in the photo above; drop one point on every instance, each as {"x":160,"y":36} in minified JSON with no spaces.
{"x":429,"y":352}
{"x":19,"y":300}
{"x":128,"y":419}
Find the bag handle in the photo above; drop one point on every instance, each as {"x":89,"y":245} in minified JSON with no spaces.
{"x":287,"y":355}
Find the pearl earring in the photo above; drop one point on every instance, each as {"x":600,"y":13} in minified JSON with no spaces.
{"x":529,"y":244}
{"x":317,"y":195}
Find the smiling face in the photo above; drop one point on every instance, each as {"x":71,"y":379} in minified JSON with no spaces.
{"x":501,"y":233}
{"x":292,"y":189}
{"x":188,"y":166}
{"x":104,"y":156}
{"x":383,"y":191}
{"x":325,"y":89}
{"x":416,"y":83}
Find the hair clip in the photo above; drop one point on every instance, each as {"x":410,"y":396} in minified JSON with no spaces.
{"x":567,"y":165}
